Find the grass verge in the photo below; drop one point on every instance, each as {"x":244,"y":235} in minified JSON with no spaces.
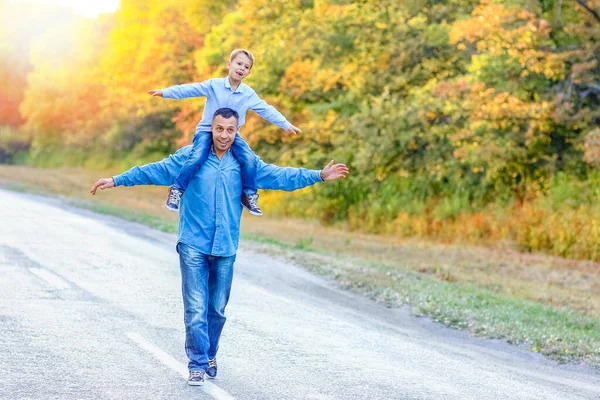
{"x":548,"y":303}
{"x":560,"y":334}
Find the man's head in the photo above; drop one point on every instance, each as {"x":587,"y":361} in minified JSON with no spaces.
{"x":224,"y":128}
{"x":240,"y":64}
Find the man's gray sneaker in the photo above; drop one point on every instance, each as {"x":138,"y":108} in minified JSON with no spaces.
{"x":211,"y":371}
{"x":173,"y":199}
{"x":250,"y":203}
{"x":196,"y":378}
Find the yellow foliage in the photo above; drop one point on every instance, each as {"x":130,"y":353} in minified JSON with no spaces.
{"x":494,"y":32}
{"x":298,"y":77}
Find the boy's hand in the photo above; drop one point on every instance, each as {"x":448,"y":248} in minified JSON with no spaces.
{"x":294,"y":130}
{"x":104,"y":183}
{"x":334,"y":171}
{"x":157,"y":93}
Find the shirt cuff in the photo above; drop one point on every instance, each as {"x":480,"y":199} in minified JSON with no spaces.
{"x":118,"y":180}
{"x":318,"y":177}
{"x":167,"y":93}
{"x":287,"y":125}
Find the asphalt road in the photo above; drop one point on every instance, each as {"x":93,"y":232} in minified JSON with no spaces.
{"x":90,"y":308}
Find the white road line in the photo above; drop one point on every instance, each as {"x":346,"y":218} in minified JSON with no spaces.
{"x":49,"y":277}
{"x":165,"y":358}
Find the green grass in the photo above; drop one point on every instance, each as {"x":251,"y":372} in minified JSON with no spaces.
{"x":559,"y":333}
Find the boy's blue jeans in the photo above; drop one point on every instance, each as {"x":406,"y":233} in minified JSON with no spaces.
{"x":199,"y":154}
{"x":205,"y":285}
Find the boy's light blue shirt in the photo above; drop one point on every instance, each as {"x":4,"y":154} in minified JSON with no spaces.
{"x":219,"y":94}
{"x":211,"y":210}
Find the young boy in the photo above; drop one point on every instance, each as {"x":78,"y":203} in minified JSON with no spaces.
{"x":232,"y":93}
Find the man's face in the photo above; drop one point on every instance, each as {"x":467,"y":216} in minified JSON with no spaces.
{"x":239,"y":67}
{"x":223,"y":130}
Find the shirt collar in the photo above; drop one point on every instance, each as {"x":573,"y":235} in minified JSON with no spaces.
{"x":240,"y":89}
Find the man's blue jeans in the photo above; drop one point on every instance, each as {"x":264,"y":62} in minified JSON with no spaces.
{"x":205,"y":285}
{"x":200,"y":152}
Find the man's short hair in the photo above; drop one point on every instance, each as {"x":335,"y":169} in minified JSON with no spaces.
{"x":226,"y":113}
{"x":242,"y":51}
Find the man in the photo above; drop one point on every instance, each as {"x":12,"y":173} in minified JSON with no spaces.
{"x":209,"y":226}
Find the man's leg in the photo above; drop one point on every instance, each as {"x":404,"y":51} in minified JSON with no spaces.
{"x":247,"y":159}
{"x":195,"y":267}
{"x":195,"y":160}
{"x":219,"y":288}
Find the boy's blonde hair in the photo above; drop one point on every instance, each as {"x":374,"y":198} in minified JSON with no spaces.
{"x":242,"y":51}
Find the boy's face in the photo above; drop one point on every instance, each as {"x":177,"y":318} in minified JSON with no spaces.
{"x":223,"y":130}
{"x":239,"y":67}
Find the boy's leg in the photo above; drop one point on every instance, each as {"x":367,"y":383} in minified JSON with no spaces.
{"x":247,"y":159}
{"x":195,"y":160}
{"x":197,"y":157}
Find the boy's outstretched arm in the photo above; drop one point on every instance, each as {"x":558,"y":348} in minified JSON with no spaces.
{"x":271,"y":114}
{"x":154,"y":92}
{"x":197,"y":89}
{"x":293,"y":129}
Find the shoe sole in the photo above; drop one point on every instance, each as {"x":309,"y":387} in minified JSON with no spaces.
{"x":171,"y":209}
{"x":195,"y":383}
{"x":211,"y":377}
{"x":252,"y":212}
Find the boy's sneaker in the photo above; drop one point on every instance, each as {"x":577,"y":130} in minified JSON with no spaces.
{"x":173,"y":200}
{"x":250,"y":203}
{"x":211,"y":371}
{"x":196,"y":378}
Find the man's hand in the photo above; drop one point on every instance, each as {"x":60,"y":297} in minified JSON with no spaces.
{"x":104,"y":183}
{"x":157,"y":93}
{"x":294,"y":130}
{"x":334,"y":171}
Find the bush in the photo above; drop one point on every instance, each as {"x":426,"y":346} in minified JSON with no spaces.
{"x":13,"y":145}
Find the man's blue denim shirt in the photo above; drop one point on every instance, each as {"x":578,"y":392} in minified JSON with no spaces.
{"x":210,"y":210}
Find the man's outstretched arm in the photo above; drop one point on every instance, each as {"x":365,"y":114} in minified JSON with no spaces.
{"x":161,"y":173}
{"x":289,"y":179}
